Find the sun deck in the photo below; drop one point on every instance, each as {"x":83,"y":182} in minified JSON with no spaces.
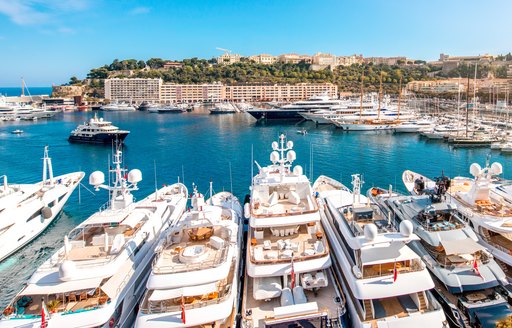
{"x":260,"y":312}
{"x":280,"y":244}
{"x":193,"y":249}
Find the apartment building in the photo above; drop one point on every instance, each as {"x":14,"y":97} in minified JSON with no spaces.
{"x":264,"y":59}
{"x":440,"y":86}
{"x":294,"y":59}
{"x":133,"y":90}
{"x":177,"y":93}
{"x":278,"y":92}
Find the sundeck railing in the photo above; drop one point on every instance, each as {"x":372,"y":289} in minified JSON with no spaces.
{"x":167,"y":308}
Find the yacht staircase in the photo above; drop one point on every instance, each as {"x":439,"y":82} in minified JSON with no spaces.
{"x":368,"y":313}
{"x":423,"y":302}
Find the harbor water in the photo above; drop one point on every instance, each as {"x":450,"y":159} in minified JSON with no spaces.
{"x":196,"y":148}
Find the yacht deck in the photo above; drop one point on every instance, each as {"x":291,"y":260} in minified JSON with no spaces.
{"x":325,"y":298}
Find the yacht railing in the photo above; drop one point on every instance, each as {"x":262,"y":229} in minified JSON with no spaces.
{"x":414,"y":267}
{"x":165,"y":307}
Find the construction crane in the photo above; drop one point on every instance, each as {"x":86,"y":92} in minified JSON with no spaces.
{"x":227,"y":51}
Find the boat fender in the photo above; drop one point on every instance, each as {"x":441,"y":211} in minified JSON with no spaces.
{"x":46,"y":212}
{"x":357,"y":272}
{"x":247,"y":210}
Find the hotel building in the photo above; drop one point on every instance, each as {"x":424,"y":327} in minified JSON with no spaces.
{"x":133,"y":90}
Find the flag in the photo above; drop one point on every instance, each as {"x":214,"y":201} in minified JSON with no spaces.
{"x":395,"y":272}
{"x":43,"y":314}
{"x":475,"y":268}
{"x":183,"y":310}
{"x":293,"y":276}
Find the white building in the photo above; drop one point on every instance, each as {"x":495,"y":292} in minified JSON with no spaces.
{"x":133,"y":90}
{"x":227,"y":59}
{"x":264,"y":59}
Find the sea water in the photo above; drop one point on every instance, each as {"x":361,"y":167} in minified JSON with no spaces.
{"x":196,"y":148}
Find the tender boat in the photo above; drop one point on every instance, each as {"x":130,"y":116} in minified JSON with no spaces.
{"x":385,"y":282}
{"x":17,"y":131}
{"x":289,"y":280}
{"x":97,"y":278}
{"x":26,"y":210}
{"x":194,"y":280}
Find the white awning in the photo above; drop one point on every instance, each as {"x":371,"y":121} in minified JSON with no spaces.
{"x":63,"y":287}
{"x":465,"y":246}
{"x":200,"y":289}
{"x":165,"y":294}
{"x":391,"y":253}
{"x":113,"y":286}
{"x":134,"y":218}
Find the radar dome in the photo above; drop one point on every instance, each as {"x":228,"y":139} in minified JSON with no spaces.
{"x":496,"y":168}
{"x":370,"y":231}
{"x":289,"y":144}
{"x":406,"y":228}
{"x":297,"y":170}
{"x":274,"y":157}
{"x":67,"y":270}
{"x":291,"y":156}
{"x":475,"y":169}
{"x":275,"y":145}
{"x":96,"y":178}
{"x":134,"y":176}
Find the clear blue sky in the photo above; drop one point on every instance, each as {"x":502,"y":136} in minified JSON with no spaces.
{"x":48,"y":41}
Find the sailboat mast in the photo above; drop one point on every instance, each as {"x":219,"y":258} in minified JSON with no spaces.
{"x":467,"y":107}
{"x":361,"y":99}
{"x":399,"y":96}
{"x":380,"y":95}
{"x":22,"y":87}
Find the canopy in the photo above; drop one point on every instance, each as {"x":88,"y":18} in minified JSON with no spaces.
{"x":134,"y":218}
{"x":63,"y":287}
{"x":465,"y":246}
{"x":383,"y":253}
{"x":165,"y":294}
{"x":112,"y":286}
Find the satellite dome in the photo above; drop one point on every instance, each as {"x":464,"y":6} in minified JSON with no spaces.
{"x":96,"y":178}
{"x":289,"y":144}
{"x":275,"y":145}
{"x":134,"y":176}
{"x":67,"y":270}
{"x":475,"y":169}
{"x":370,"y":231}
{"x":274,"y":157}
{"x":297,"y":170}
{"x":406,"y":228}
{"x":496,"y":168}
{"x":291,"y":156}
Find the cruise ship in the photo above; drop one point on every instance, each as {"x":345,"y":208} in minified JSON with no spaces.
{"x":487,"y":212}
{"x":386,"y":284}
{"x":97,"y":130}
{"x":289,"y":278}
{"x":26,"y":210}
{"x":194,"y":281}
{"x":97,"y":278}
{"x":470,"y":285}
{"x":294,"y":110}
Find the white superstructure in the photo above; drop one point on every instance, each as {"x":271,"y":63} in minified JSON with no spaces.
{"x":386,"y":284}
{"x":97,"y":277}
{"x":288,"y":266}
{"x":118,"y":107}
{"x":26,"y":210}
{"x":195,"y":275}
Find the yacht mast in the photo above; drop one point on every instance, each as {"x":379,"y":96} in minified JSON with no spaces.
{"x":467,"y":107}
{"x":361,"y":99}
{"x":399,"y":97}
{"x":380,"y":95}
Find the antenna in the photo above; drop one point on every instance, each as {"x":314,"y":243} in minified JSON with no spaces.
{"x":230,"y":178}
{"x":183,"y":174}
{"x":252,"y":163}
{"x":156,"y":185}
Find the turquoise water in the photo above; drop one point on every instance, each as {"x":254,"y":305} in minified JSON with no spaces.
{"x":16,"y":91}
{"x":200,"y":147}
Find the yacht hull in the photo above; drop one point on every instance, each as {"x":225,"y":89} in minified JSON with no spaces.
{"x":100,"y":138}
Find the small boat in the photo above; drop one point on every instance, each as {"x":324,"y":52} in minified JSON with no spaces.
{"x":17,"y":131}
{"x":303,"y":132}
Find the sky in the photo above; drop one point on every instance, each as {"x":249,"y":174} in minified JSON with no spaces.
{"x":47,"y":42}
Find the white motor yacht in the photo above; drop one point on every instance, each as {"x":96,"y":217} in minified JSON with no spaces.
{"x":471,"y":286}
{"x":386,"y":284}
{"x":289,"y":280}
{"x":26,"y":210}
{"x":194,"y":281}
{"x":97,"y":278}
{"x":487,"y":211}
{"x":118,"y":107}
